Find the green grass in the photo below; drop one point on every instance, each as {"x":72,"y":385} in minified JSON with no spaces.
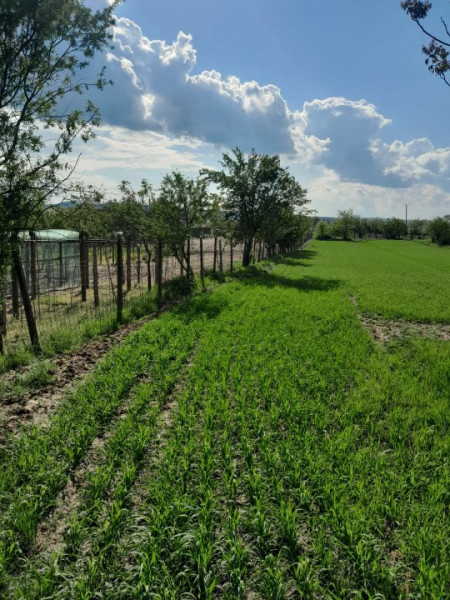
{"x":84,"y":325}
{"x":302,"y":460}
{"x":395,"y":279}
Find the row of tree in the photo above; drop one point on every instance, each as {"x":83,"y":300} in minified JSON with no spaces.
{"x":350,"y":226}
{"x":255,"y":199}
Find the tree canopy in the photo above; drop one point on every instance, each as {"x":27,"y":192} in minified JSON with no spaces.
{"x":257,"y":192}
{"x":45,"y":46}
{"x":437,"y":51}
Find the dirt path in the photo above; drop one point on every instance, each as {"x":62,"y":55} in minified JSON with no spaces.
{"x":385,"y":330}
{"x":51,"y":531}
{"x":37,"y":405}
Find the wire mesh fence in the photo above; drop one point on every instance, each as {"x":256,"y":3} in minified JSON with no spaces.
{"x":70,"y":282}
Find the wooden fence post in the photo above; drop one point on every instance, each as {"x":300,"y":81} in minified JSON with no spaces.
{"x":14,"y":294}
{"x":215,"y":254}
{"x":159,"y":270}
{"x":3,"y":326}
{"x":128,"y":263}
{"x":95,"y":274}
{"x":86,"y":259}
{"x":231,"y":255}
{"x":138,"y":278}
{"x":83,"y":265}
{"x":220,"y":256}
{"x":33,"y":265}
{"x":188,"y":258}
{"x":202,"y":266}
{"x":149,"y":272}
{"x":31,"y":322}
{"x":119,"y":279}
{"x":61,"y":264}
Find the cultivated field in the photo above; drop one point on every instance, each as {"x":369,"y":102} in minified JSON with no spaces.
{"x":284,"y":436}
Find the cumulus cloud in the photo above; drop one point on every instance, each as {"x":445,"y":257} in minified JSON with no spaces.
{"x":158,"y":93}
{"x":347,"y":130}
{"x":155,"y":89}
{"x":417,"y":160}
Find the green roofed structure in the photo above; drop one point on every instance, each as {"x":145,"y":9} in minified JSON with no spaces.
{"x":51,"y":259}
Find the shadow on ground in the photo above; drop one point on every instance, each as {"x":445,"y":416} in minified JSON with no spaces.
{"x":296,"y":259}
{"x":305,"y":284}
{"x":208,"y":305}
{"x":263,"y":275}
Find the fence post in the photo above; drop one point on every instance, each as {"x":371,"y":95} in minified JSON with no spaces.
{"x":215,"y":254}
{"x":86,"y":259}
{"x":31,"y":322}
{"x":202,"y":266}
{"x":83,"y":265}
{"x":61,"y":264}
{"x":14,"y":294}
{"x":33,"y":267}
{"x":188,"y":258}
{"x":220,"y":256}
{"x":2,"y":313}
{"x":138,"y":263}
{"x":159,"y":270}
{"x":95,"y":274}
{"x":119,"y":279}
{"x":231,"y":255}
{"x":149,"y":272}
{"x":128,"y":263}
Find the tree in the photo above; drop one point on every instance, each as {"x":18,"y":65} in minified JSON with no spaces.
{"x":439,"y":229}
{"x":178,"y":211}
{"x":45,"y":45}
{"x":417,"y":228}
{"x":438,"y":50}
{"x":323,"y":231}
{"x":394,"y":228}
{"x":256,"y":189}
{"x":345,"y":223}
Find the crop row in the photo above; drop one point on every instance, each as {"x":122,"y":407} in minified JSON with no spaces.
{"x":37,"y":461}
{"x":298,"y":460}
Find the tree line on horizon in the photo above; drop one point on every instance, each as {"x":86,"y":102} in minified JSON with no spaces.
{"x":349,"y":225}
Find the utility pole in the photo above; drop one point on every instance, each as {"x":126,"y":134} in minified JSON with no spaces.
{"x":406,"y":214}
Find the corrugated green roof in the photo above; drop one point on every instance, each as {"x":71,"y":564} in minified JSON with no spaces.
{"x":52,"y":235}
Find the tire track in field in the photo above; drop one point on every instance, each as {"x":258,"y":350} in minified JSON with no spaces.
{"x":71,"y":503}
{"x":38,"y":405}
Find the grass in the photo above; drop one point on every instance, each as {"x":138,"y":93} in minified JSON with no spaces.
{"x":267,"y":448}
{"x":394,"y":279}
{"x":82,"y":326}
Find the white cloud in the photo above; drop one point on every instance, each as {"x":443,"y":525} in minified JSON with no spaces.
{"x":159,"y":111}
{"x":155,"y":89}
{"x":119,"y":153}
{"x":331,"y":194}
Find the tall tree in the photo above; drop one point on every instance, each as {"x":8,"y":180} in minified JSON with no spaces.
{"x":344,"y":225}
{"x":437,"y":52}
{"x":256,"y":189}
{"x":179,"y":210}
{"x":45,"y":46}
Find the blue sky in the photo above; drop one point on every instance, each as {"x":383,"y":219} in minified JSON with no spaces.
{"x":338,"y":88}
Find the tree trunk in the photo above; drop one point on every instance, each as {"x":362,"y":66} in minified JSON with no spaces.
{"x":247,"y":255}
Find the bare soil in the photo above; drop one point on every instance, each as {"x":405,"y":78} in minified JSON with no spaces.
{"x":37,"y":405}
{"x":384,"y":330}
